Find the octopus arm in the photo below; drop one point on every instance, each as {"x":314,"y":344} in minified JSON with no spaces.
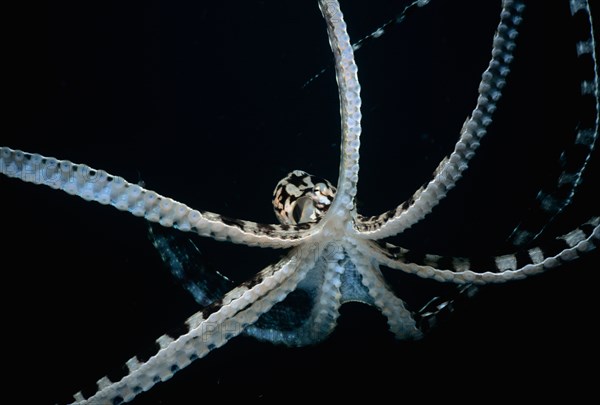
{"x":97,"y":185}
{"x":451,"y":168}
{"x":350,"y":103}
{"x":497,"y":269}
{"x":204,"y":331}
{"x":559,"y":192}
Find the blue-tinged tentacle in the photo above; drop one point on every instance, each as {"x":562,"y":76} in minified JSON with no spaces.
{"x":97,"y":185}
{"x":206,"y":330}
{"x":400,"y":320}
{"x":315,"y":305}
{"x":188,"y":266}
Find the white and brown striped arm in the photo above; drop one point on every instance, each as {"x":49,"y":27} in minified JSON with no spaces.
{"x":450,"y":169}
{"x":496,"y":269}
{"x":97,"y":185}
{"x":554,"y":197}
{"x":204,"y":331}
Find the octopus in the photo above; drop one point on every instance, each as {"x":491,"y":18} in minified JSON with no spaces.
{"x":335,"y":252}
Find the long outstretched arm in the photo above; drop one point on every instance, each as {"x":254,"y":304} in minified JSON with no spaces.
{"x":499,"y":269}
{"x":350,"y":102}
{"x":204,"y":331}
{"x":450,"y":169}
{"x":555,"y":196}
{"x":99,"y":186}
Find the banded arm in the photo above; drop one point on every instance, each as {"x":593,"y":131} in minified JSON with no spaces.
{"x":450,"y":169}
{"x":99,"y":186}
{"x":350,"y":103}
{"x":500,"y":268}
{"x":553,"y":198}
{"x":204,"y":331}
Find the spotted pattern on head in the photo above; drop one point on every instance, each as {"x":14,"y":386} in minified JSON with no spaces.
{"x":302,"y":198}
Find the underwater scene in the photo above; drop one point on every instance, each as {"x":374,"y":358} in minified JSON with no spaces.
{"x":212,"y":104}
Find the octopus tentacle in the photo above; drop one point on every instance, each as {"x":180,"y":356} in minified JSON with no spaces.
{"x":450,"y":169}
{"x":499,"y":269}
{"x":323,"y":287}
{"x":400,"y":319}
{"x":97,"y":185}
{"x":206,"y":330}
{"x":553,"y":198}
{"x":350,"y":103}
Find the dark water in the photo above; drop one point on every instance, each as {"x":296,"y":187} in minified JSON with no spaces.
{"x":205,"y":103}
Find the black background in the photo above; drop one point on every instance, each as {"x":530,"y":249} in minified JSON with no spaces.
{"x":205,"y":103}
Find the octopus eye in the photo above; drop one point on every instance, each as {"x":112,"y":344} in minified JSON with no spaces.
{"x":301,"y":198}
{"x":304,"y":210}
{"x":321,"y":187}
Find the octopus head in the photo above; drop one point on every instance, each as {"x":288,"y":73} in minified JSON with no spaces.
{"x":302,"y":198}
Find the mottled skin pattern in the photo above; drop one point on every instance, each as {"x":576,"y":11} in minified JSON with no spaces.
{"x":334,"y":253}
{"x":302,"y":198}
